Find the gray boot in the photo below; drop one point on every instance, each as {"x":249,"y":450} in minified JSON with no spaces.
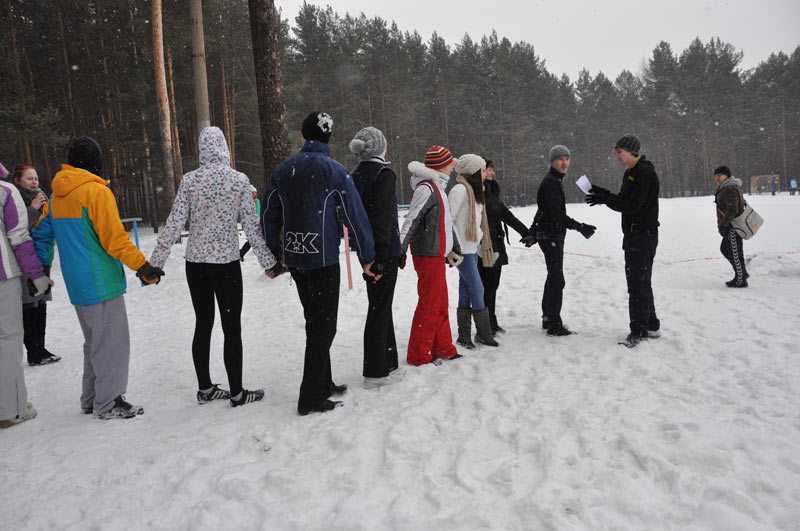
{"x":465,"y":328}
{"x":484,"y":328}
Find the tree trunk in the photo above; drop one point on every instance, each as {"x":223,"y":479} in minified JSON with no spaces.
{"x":271,"y":108}
{"x":176,"y":142}
{"x":65,"y":57}
{"x":199,"y":65}
{"x":163,"y":103}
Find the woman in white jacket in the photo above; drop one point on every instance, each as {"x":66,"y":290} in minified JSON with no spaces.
{"x":471,"y":226}
{"x":213,"y":197}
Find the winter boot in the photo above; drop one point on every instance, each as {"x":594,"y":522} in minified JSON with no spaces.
{"x":484,"y":328}
{"x":465,"y":328}
{"x":326,"y":405}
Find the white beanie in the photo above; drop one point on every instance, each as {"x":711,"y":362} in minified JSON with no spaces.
{"x":469,"y":164}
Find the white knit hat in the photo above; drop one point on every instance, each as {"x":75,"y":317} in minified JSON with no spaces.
{"x":469,"y":164}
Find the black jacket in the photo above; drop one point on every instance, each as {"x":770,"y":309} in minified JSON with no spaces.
{"x":552,"y":221}
{"x":496,"y":214}
{"x":375,"y":182}
{"x":638,"y":198}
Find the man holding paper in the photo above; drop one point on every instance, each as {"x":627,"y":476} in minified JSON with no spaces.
{"x":551,"y":224}
{"x":637,"y":201}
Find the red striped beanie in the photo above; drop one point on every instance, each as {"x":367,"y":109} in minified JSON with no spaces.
{"x":437,"y":157}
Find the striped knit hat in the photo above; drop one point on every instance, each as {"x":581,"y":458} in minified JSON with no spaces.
{"x":437,"y":157}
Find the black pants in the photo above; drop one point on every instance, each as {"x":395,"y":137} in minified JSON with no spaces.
{"x":380,"y":347}
{"x":640,"y":251}
{"x":319,"y":293}
{"x":732,"y":249}
{"x":552,"y":297}
{"x":223,"y":281}
{"x":490,"y":277}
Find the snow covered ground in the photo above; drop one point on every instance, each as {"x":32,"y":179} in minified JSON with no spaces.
{"x":697,"y":430}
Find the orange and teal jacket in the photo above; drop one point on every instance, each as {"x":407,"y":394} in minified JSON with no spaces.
{"x":83,"y":219}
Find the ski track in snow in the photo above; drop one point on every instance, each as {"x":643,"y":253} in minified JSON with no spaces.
{"x":696,"y":430}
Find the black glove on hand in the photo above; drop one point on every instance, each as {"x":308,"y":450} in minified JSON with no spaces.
{"x":277,"y":268}
{"x":402,"y":261}
{"x":595,"y":199}
{"x":599,"y":190}
{"x":529,"y":240}
{"x":586,"y":230}
{"x":378,"y":269}
{"x":150,"y":274}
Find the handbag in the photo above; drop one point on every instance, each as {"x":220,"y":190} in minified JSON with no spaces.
{"x":747,"y":223}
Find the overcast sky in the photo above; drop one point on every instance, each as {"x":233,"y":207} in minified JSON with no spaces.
{"x":600,"y":35}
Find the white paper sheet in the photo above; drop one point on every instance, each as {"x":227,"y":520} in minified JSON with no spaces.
{"x":584,"y":184}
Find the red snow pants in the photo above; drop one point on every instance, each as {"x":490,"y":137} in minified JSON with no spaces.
{"x":430,"y":330}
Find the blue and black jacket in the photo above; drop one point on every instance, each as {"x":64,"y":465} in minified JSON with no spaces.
{"x":308,"y":197}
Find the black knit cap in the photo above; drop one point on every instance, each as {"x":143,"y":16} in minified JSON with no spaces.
{"x":317,"y":126}
{"x":489,"y":162}
{"x":629,"y":143}
{"x":85,"y":153}
{"x":724,"y":170}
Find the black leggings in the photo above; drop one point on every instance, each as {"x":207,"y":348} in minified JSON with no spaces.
{"x":223,"y":281}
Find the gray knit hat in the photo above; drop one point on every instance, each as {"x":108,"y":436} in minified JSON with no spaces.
{"x":367,"y":143}
{"x":556,"y":152}
{"x":468,"y":164}
{"x":629,"y":143}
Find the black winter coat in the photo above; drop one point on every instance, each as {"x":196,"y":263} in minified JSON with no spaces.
{"x":375,"y":182}
{"x":638,"y":198}
{"x":497,"y":214}
{"x":552,"y":221}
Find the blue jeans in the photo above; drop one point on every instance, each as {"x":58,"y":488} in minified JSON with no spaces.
{"x":470,"y":287}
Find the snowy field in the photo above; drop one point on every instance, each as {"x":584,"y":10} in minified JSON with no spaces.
{"x":696,"y":430}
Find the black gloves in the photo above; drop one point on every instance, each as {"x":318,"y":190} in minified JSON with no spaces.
{"x":150,"y":274}
{"x":402,"y":261}
{"x":597,"y":196}
{"x":529,"y":240}
{"x":277,"y":268}
{"x":586,"y":230}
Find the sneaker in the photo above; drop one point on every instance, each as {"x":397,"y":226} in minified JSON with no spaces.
{"x":47,"y":359}
{"x":497,"y":329}
{"x":466,"y":343}
{"x":120,"y":410}
{"x":326,"y":405}
{"x":29,"y":414}
{"x":215,"y":393}
{"x":337,"y":390}
{"x":558,"y":331}
{"x":734,"y":284}
{"x":87,"y":410}
{"x":245,"y":397}
{"x":634,"y":338}
{"x":653,"y":334}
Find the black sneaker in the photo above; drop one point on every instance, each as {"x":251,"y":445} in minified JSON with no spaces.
{"x":46,"y":360}
{"x":215,"y":393}
{"x":121,"y":410}
{"x":337,"y":390}
{"x":634,"y":338}
{"x":247,"y":397}
{"x":734,"y":284}
{"x":558,"y":330}
{"x":326,"y":405}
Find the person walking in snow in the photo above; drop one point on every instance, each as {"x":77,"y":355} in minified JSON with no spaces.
{"x":34,"y":309}
{"x":214,"y":197}
{"x":17,"y":256}
{"x":466,"y":200}
{"x":637,"y":201}
{"x":83,"y":219}
{"x":428,"y":230}
{"x":497,"y":216}
{"x":551,"y":223}
{"x":306,"y":197}
{"x":730,"y":203}
{"x":375,"y":182}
